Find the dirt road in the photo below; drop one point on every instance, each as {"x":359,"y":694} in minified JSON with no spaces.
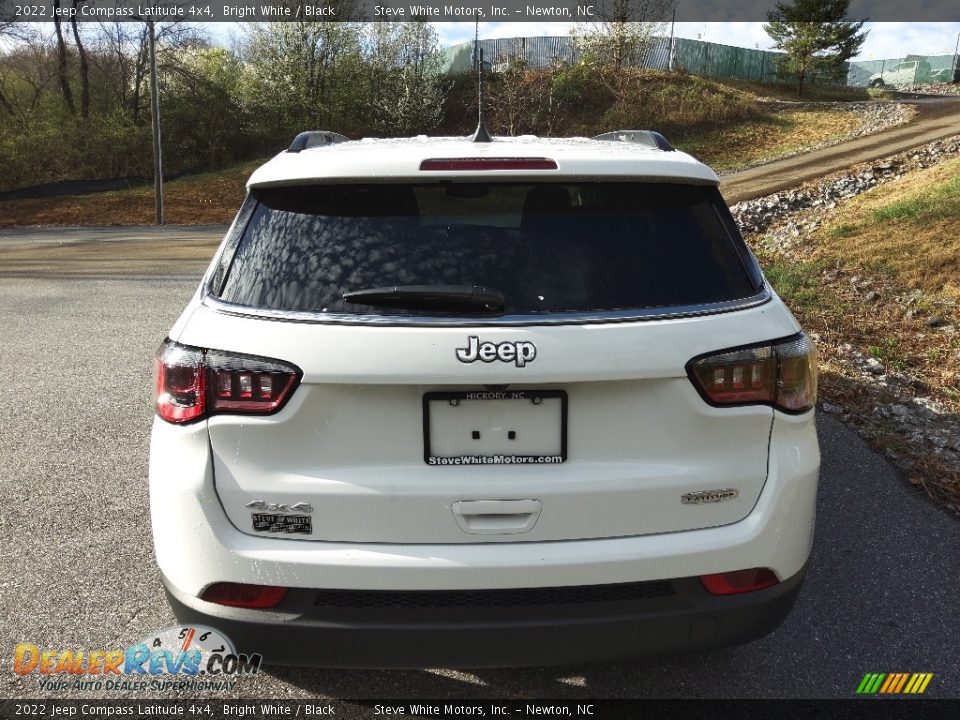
{"x":936,"y":118}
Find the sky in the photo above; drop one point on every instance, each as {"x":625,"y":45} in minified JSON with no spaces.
{"x":885,"y":40}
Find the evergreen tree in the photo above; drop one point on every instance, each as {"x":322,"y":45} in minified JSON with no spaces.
{"x":816,"y":35}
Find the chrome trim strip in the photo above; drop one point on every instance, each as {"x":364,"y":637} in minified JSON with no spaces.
{"x":580,"y":318}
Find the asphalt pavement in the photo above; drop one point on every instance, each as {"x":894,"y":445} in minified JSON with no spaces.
{"x":76,"y":555}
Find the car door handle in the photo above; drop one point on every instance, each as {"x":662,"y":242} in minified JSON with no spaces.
{"x":496,"y":517}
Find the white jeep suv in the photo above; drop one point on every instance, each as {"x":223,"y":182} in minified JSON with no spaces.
{"x":449,"y":403}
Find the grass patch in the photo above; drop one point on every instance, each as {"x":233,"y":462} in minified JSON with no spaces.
{"x":797,"y":283}
{"x":811,"y":93}
{"x":763,"y":139}
{"x":934,"y":203}
{"x":889,"y":352}
{"x":906,"y":231}
{"x":916,"y":361}
{"x":900,"y":237}
{"x":842,"y":230}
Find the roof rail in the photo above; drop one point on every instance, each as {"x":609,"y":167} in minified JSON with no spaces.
{"x":315,"y":138}
{"x":650,"y":138}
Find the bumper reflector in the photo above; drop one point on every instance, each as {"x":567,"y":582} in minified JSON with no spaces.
{"x":244,"y":596}
{"x":739,"y":581}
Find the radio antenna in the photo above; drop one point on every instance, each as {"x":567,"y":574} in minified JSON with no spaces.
{"x":481,"y":134}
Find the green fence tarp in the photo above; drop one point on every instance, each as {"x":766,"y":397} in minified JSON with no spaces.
{"x":909,"y":70}
{"x":708,"y":59}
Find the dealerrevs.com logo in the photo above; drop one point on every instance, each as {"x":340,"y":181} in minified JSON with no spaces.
{"x":185,"y":658}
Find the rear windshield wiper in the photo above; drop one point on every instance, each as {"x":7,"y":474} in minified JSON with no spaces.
{"x":452,"y":297}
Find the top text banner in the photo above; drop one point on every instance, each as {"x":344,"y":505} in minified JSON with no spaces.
{"x":485,"y":11}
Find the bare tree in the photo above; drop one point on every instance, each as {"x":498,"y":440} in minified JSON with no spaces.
{"x":26,"y":71}
{"x":116,"y":54}
{"x":122,"y":57}
{"x":299,"y":71}
{"x":6,"y":30}
{"x":404,"y":67}
{"x":516,"y":93}
{"x":62,"y":79}
{"x":622,"y":33}
{"x":84,"y":66}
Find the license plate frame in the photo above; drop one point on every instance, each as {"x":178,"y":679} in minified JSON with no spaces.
{"x":487,"y":395}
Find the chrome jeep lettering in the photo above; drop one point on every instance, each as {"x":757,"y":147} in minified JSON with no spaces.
{"x":519,"y":353}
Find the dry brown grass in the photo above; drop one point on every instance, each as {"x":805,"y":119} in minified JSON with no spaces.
{"x":830,"y":305}
{"x":209,"y":198}
{"x":756,"y":141}
{"x":117,"y":258}
{"x":811,"y":93}
{"x":906,"y":231}
{"x":900,"y":237}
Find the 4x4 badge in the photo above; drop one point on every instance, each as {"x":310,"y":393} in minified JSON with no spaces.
{"x":520,"y":353}
{"x":300,"y":507}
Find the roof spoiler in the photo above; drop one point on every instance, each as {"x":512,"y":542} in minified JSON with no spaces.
{"x":650,"y":138}
{"x":315,"y":138}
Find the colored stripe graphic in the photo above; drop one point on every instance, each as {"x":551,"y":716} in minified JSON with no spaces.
{"x":923,"y":679}
{"x":900,"y":684}
{"x":865,"y":683}
{"x":894,"y":683}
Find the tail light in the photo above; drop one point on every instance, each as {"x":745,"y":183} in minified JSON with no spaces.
{"x":181,"y":386}
{"x":782,"y":374}
{"x":739,"y":581}
{"x":244,"y":595}
{"x":193,"y":383}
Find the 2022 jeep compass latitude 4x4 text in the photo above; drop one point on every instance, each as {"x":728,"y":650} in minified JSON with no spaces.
{"x":449,"y":403}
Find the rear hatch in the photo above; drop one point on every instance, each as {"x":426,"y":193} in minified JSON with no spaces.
{"x":556,"y":407}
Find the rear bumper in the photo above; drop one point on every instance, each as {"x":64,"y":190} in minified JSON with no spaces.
{"x":404,"y":630}
{"x":196,"y":544}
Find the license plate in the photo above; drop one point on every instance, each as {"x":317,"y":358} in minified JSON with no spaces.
{"x":263,"y":522}
{"x":486,"y":427}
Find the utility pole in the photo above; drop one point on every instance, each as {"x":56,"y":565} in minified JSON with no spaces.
{"x":673,"y":21}
{"x":155,"y":121}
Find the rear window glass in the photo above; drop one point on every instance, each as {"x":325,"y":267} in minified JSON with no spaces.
{"x":548,"y":248}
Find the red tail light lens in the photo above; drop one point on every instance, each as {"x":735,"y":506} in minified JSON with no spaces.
{"x":192,"y":384}
{"x":248,"y":385}
{"x":180,"y":384}
{"x":488,"y":163}
{"x":783,"y":374}
{"x":739,"y":581}
{"x":245,"y":596}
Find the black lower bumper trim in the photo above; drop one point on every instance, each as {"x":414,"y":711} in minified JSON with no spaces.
{"x":299,"y":632}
